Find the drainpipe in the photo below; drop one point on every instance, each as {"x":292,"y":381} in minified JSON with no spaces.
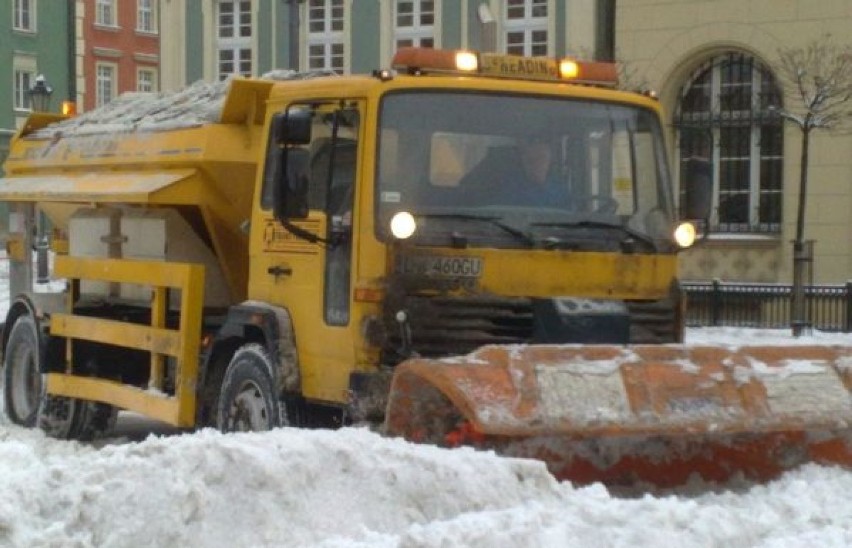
{"x":293,"y":31}
{"x":72,"y":51}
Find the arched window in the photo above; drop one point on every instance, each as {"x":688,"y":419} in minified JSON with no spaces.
{"x":725,"y":116}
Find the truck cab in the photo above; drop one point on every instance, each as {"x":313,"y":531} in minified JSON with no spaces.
{"x":398,"y":220}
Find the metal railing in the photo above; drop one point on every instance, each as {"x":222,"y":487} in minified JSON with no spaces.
{"x":716,"y":303}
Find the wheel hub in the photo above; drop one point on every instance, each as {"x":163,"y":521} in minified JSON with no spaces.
{"x":248,"y":411}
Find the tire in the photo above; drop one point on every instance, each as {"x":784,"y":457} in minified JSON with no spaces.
{"x":248,"y":401}
{"x":99,"y":420}
{"x":208,"y":397}
{"x":73,"y":419}
{"x":59,"y":417}
{"x":28,"y":405}
{"x":22,"y":379}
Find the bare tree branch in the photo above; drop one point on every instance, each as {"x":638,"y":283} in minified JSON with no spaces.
{"x":818,"y":77}
{"x":629,"y":77}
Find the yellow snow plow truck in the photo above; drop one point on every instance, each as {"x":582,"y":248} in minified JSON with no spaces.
{"x":468,"y":249}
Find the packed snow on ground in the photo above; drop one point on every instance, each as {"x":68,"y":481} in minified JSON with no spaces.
{"x":353,"y":488}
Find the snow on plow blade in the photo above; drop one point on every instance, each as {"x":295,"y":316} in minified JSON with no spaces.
{"x":632,"y":414}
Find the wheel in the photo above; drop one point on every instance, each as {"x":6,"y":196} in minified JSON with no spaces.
{"x":248,"y":401}
{"x":208,"y":397}
{"x":22,"y":387}
{"x":27,"y":404}
{"x":73,"y":419}
{"x":59,"y":417}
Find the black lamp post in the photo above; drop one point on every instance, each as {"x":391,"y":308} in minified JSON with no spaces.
{"x":40,"y":94}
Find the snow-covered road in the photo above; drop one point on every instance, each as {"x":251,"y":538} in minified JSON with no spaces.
{"x":354,"y":488}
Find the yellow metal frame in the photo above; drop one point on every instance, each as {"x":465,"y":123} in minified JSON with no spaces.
{"x":182,"y":343}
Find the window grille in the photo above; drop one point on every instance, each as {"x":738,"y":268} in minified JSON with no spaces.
{"x":726,"y":117}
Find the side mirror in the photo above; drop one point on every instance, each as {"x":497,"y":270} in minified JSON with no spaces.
{"x":290,"y":190}
{"x":292,"y":127}
{"x":697,"y":183}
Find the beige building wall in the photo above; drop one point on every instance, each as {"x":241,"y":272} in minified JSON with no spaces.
{"x":79,"y":52}
{"x":172,"y":45}
{"x":664,"y":41}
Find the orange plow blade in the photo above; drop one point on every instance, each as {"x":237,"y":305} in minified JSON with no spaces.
{"x":632,"y":414}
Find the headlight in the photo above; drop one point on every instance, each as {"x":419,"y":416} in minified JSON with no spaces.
{"x":684,"y":234}
{"x":403,"y":225}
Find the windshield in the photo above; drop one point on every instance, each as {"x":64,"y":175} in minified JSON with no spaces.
{"x":506,"y":170}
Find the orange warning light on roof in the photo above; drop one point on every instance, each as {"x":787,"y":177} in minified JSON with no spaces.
{"x":437,"y":61}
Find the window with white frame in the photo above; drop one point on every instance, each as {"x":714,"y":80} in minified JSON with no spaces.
{"x":234,"y":38}
{"x":727,"y":120}
{"x":414,"y":23}
{"x":23,"y":15}
{"x":325,"y":35}
{"x":146,"y":16}
{"x":146,"y":80}
{"x":24,"y":80}
{"x":106,"y":84}
{"x":105,"y":14}
{"x":525,"y":27}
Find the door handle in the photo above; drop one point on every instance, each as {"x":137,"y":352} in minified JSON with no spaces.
{"x":279,"y":270}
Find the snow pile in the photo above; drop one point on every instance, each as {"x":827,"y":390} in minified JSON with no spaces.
{"x":194,"y":105}
{"x":741,"y":336}
{"x":353,"y":488}
{"x":197,"y":104}
{"x":208,"y":489}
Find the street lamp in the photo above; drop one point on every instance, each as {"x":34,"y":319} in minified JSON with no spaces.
{"x":40,"y":94}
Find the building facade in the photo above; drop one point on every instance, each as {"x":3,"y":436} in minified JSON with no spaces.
{"x":714,"y":65}
{"x":210,"y":39}
{"x":117,"y":49}
{"x":88,"y":51}
{"x":36,"y":42}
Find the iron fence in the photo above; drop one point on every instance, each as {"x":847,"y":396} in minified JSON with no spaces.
{"x":716,"y":303}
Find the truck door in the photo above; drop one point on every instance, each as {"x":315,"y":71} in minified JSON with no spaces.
{"x":306,"y":266}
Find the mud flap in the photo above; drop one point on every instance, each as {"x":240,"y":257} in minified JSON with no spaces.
{"x":620,"y":414}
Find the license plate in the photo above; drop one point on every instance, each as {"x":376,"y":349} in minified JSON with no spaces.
{"x":436,"y":266}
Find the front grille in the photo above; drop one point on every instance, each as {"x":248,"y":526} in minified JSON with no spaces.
{"x":451,"y":325}
{"x":444,"y":325}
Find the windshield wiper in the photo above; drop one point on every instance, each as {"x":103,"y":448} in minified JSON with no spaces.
{"x":509,"y":229}
{"x":589,"y":223}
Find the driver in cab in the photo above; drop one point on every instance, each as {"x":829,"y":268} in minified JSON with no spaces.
{"x":536,"y":182}
{"x":525,"y":175}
